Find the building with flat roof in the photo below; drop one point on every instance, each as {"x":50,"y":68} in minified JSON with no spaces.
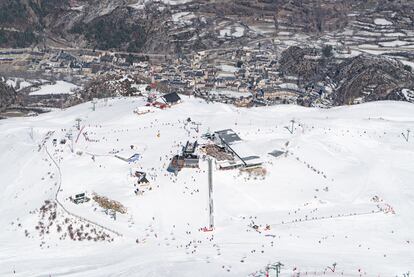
{"x":239,"y":148}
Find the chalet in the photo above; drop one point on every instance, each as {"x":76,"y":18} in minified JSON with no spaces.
{"x":172,"y":98}
{"x":79,"y":198}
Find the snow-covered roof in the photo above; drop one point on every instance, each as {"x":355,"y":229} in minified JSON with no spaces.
{"x":228,"y":136}
{"x":244,"y":152}
{"x":239,"y":147}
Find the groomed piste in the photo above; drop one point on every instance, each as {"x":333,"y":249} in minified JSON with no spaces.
{"x":86,"y":192}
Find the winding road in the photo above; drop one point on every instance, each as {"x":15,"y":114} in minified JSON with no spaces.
{"x":64,"y":208}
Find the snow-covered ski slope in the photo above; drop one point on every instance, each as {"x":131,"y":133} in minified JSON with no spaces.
{"x":343,"y":193}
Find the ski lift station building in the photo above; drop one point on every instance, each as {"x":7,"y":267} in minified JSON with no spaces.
{"x":245,"y":157}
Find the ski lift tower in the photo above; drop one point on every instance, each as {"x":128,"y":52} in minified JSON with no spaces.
{"x":197,"y":126}
{"x":293,"y":123}
{"x":78,"y":121}
{"x":70,"y":136}
{"x":291,"y":127}
{"x":276,"y":267}
{"x":94,"y":102}
{"x":210,"y":193}
{"x":31,"y":134}
{"x":406,"y":136}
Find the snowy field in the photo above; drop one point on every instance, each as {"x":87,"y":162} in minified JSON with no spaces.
{"x":343,"y":192}
{"x":19,"y":83}
{"x":232,"y":31}
{"x":382,"y":21}
{"x":60,"y":87}
{"x":140,"y":3}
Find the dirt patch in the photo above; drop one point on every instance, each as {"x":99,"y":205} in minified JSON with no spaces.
{"x":109,"y":204}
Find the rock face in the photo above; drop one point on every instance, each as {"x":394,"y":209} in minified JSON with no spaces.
{"x":8,"y":96}
{"x":21,"y":21}
{"x":115,"y":30}
{"x":125,"y":29}
{"x":359,"y":79}
{"x":305,"y":63}
{"x":371,"y":78}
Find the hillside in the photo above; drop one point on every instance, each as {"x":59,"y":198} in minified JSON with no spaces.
{"x":314,"y":53}
{"x":8,"y":96}
{"x":358,"y":79}
{"x":340,"y":194}
{"x":184,"y":26}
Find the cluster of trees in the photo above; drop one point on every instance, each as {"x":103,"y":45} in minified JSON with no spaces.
{"x":19,"y":19}
{"x":28,"y":11}
{"x":408,"y":68}
{"x":8,"y":96}
{"x":11,"y":11}
{"x":110,"y":33}
{"x":17,"y":39}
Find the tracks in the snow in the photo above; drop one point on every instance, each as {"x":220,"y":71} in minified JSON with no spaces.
{"x":64,"y":208}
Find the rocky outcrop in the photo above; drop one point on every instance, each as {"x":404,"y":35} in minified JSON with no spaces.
{"x":352,"y":80}
{"x":8,"y":96}
{"x":305,"y":63}
{"x":116,"y":30}
{"x":370,"y":78}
